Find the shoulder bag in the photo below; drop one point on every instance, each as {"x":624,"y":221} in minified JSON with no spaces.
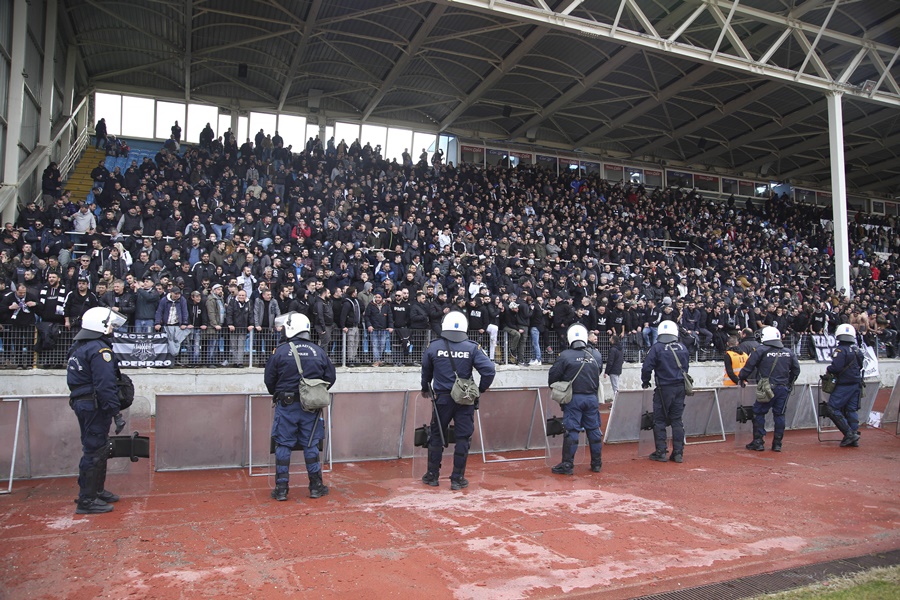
{"x":464,"y":391}
{"x":688,"y":380}
{"x":313,"y":393}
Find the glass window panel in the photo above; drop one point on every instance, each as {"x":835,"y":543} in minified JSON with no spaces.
{"x":166,"y":115}
{"x":349,"y":132}
{"x":224,"y":124}
{"x":292,"y":128}
{"x":398,"y":140}
{"x":268,"y":123}
{"x":109,"y":107}
{"x":198,"y":115}
{"x":137,"y":116}
{"x":422,"y":139}
{"x":375,"y":135}
{"x":243,"y":130}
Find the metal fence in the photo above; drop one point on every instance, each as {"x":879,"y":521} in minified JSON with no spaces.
{"x":27,"y":348}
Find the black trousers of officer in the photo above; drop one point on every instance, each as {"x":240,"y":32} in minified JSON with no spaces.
{"x":463,"y":418}
{"x":94,"y":424}
{"x":668,"y":408}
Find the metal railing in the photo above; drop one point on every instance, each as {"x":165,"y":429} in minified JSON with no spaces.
{"x":30,"y":346}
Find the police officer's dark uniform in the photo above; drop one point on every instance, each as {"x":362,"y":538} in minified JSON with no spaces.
{"x":93,"y":395}
{"x":668,"y":397}
{"x":292,"y":424}
{"x":437,"y":379}
{"x":581,"y":365}
{"x":846,"y":365}
{"x":771,"y":359}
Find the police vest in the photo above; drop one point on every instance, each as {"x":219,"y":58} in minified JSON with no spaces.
{"x":738,"y":360}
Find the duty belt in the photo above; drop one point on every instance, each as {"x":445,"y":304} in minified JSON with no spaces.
{"x":73,"y":400}
{"x":285,"y":398}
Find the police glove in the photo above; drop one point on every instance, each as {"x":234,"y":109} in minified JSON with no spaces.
{"x":476,"y":404}
{"x":426,"y":393}
{"x":120,"y":423}
{"x":743,"y":383}
{"x":645,"y":386}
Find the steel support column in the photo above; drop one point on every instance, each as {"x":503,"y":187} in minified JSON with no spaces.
{"x":69,"y":95}
{"x":839,"y":192}
{"x":15,"y":96}
{"x":46,"y":122}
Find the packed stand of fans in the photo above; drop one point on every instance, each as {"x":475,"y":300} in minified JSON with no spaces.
{"x":210,"y":244}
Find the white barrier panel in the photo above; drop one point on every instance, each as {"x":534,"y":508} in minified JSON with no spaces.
{"x":805,"y":414}
{"x":892,"y":411}
{"x":53,"y":438}
{"x":511,"y":420}
{"x":367,"y":425}
{"x":200,"y":431}
{"x":10,"y":417}
{"x":730,"y":397}
{"x":703,"y":416}
{"x":624,"y":423}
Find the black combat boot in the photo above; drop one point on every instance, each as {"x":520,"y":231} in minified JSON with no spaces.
{"x":776,"y":443}
{"x":567,"y":466}
{"x":459,"y":483}
{"x":757,"y":444}
{"x":431,"y":478}
{"x":280,"y":492}
{"x":851,"y":438}
{"x":88,"y":502}
{"x":317,"y":489}
{"x":659,"y":456}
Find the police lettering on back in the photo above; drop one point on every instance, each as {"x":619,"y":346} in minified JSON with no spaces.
{"x":452,"y":353}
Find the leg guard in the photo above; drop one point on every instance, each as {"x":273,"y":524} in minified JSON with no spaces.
{"x":460,"y":456}
{"x":595,"y":441}
{"x":282,"y":465}
{"x":570,"y":446}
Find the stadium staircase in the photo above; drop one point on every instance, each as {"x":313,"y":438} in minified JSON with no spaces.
{"x":80,"y":182}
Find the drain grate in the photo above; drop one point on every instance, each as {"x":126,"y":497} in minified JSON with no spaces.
{"x":767,"y":583}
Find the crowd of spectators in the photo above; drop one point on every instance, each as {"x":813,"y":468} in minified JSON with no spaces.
{"x":223,"y":237}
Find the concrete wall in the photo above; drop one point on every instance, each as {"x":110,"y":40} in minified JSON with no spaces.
{"x":149,"y":382}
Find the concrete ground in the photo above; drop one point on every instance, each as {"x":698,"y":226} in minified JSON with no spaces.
{"x":636,"y":528}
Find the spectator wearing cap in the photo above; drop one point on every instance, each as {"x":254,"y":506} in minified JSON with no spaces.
{"x":172,"y":317}
{"x":516,"y":324}
{"x":77,"y":302}
{"x":203,"y":269}
{"x":215,"y":324}
{"x":198,"y":322}
{"x":146,"y":303}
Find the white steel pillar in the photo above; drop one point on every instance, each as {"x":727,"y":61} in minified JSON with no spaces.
{"x":46,"y":120}
{"x":839,"y":193}
{"x":15,"y":98}
{"x":48,"y":79}
{"x":69,"y":96}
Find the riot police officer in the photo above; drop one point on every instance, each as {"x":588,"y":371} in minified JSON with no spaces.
{"x":670,"y":360}
{"x":292,"y":425}
{"x":447,"y":357}
{"x":846,"y":365}
{"x":581,"y":365}
{"x":770,"y":359}
{"x":91,"y":375}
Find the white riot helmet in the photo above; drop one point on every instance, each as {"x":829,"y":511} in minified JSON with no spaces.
{"x":296,"y":324}
{"x":771,"y":337}
{"x":577,"y":336}
{"x":845,"y":333}
{"x":455,"y":326}
{"x":99,"y":321}
{"x":667,"y":332}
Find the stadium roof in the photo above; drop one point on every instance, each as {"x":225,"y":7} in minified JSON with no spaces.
{"x":727,"y":86}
